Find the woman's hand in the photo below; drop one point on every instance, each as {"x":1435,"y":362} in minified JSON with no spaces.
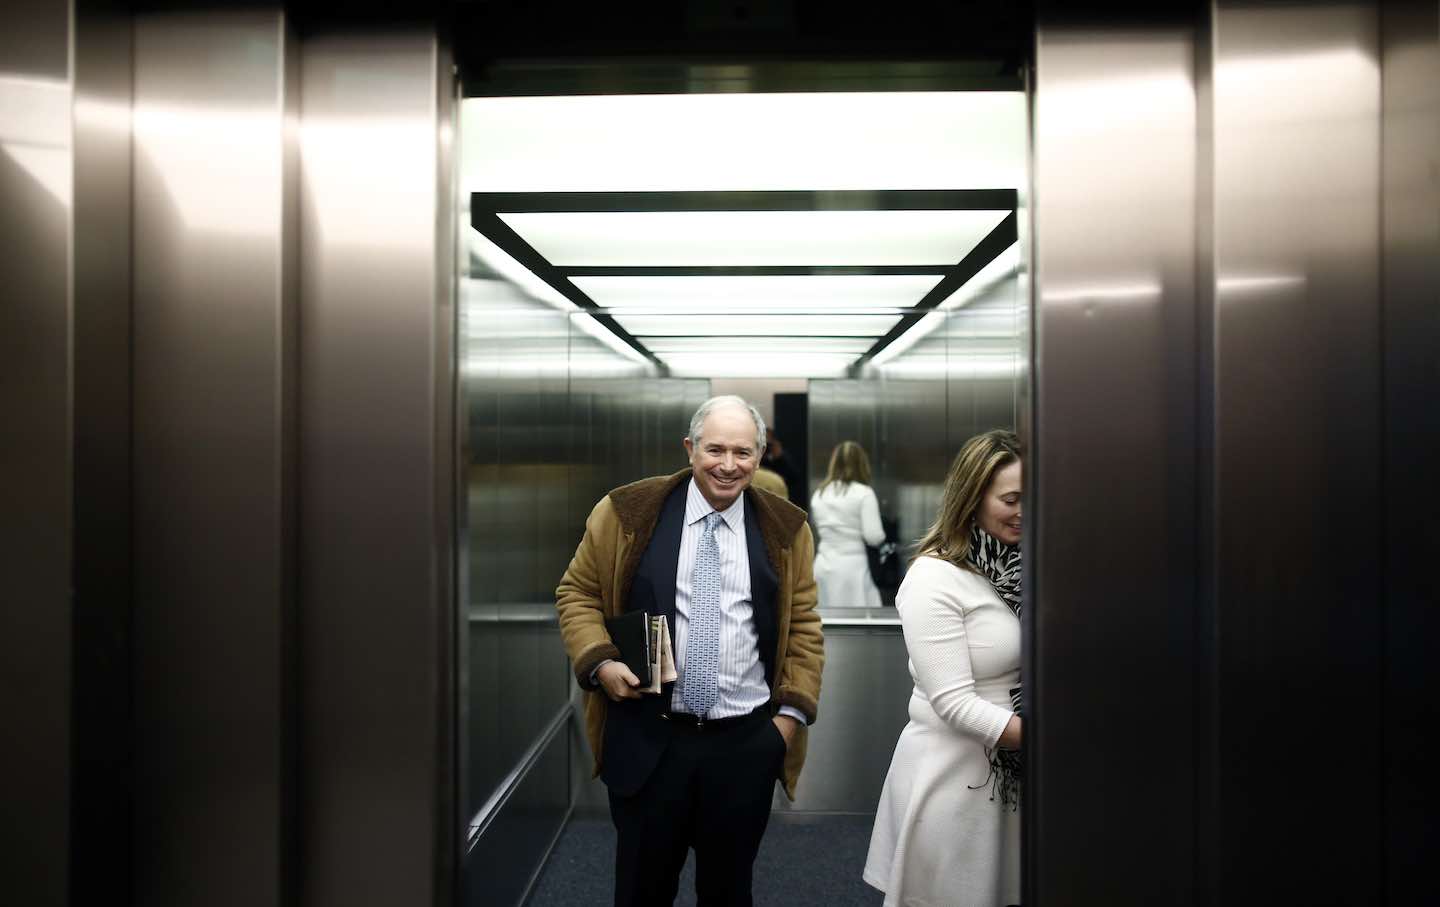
{"x":1010,"y":737}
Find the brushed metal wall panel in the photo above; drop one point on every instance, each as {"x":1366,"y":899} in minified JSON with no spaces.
{"x":102,"y":718}
{"x":554,"y":419}
{"x":379,"y":628}
{"x":621,"y":425}
{"x":1110,"y":489}
{"x":213,"y":453}
{"x":485,"y":766}
{"x":505,"y":861}
{"x":983,"y":359}
{"x":863,"y":708}
{"x":1410,"y":199}
{"x":1243,"y":147}
{"x":1297,"y":450}
{"x":537,"y":393}
{"x":821,"y":435}
{"x":35,"y":460}
{"x":916,"y":450}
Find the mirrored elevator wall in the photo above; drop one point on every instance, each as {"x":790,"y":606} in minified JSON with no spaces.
{"x":553,"y":419}
{"x":912,"y":412}
{"x":962,"y":374}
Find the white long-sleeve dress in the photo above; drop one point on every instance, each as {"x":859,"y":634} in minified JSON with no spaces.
{"x":939,"y":838}
{"x":846,"y":518}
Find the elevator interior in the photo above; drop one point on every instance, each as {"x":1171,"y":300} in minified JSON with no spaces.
{"x":631,"y":254}
{"x":235,"y":638}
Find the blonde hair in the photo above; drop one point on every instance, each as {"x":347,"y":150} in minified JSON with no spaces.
{"x":848,"y":463}
{"x":970,"y":475}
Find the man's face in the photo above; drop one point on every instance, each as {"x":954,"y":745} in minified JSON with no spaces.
{"x":725,"y":459}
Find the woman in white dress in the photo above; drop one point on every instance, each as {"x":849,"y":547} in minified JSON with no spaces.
{"x":846,"y":516}
{"x":947,"y":831}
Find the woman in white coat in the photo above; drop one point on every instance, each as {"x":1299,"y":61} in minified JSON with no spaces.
{"x":846,"y":516}
{"x":947,"y":830}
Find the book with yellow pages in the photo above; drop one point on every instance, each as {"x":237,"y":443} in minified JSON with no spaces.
{"x":662,"y":659}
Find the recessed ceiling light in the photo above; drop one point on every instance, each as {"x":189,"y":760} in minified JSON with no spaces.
{"x":761,"y":141}
{"x":647,"y":326}
{"x":822,"y":292}
{"x":750,"y":238}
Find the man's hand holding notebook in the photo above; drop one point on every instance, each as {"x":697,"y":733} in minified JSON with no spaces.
{"x":644,"y":643}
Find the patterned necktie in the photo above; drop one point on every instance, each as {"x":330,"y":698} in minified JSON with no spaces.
{"x":702,"y":642}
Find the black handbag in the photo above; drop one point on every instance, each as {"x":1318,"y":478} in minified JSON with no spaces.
{"x":884,"y":558}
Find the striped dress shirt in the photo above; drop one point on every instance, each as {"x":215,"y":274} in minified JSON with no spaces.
{"x":741,"y":673}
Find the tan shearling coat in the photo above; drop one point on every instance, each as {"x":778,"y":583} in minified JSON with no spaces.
{"x":597,"y":584}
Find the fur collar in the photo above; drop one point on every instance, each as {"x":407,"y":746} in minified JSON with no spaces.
{"x":638,"y":504}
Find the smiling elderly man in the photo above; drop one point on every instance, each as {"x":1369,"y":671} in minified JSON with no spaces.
{"x":730,"y":568}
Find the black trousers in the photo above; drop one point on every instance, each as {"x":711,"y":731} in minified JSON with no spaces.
{"x":711,"y":791}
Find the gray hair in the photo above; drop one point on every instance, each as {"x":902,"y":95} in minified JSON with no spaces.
{"x":715,"y":403}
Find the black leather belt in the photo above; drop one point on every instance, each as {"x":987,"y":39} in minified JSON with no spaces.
{"x":707,"y":725}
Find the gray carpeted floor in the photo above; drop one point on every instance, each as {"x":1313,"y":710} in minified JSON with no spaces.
{"x":814,"y":860}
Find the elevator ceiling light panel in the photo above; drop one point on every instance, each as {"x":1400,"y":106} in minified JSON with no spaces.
{"x":738,"y":364}
{"x":753,"y":238}
{"x":797,"y":327}
{"x":746,"y":234}
{"x":729,"y":142}
{"x":721,"y":345}
{"x":848,"y":293}
{"x":636,"y":262}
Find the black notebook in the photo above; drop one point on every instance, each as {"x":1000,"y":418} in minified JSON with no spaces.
{"x":630,"y":632}
{"x":644,"y":644}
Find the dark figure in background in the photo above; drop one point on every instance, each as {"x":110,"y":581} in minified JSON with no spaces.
{"x":776,"y":460}
{"x":730,"y":568}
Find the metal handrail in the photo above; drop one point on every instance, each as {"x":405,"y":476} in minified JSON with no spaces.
{"x":511,"y":782}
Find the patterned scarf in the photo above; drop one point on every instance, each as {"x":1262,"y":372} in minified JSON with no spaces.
{"x":1000,"y":563}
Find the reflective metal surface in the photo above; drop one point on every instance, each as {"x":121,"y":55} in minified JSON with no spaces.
{"x":845,"y":409}
{"x":911,"y":413}
{"x":1297,"y":419}
{"x":524,"y":817}
{"x":1410,"y":237}
{"x":381,"y":819}
{"x":1225,"y":395}
{"x":514,"y":369}
{"x":720,"y":47}
{"x":1231,"y":492}
{"x":553,"y":419}
{"x":35,"y":453}
{"x":102,"y":717}
{"x":914,"y":408}
{"x":214,"y":383}
{"x":1110,"y":487}
{"x":862,"y":711}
